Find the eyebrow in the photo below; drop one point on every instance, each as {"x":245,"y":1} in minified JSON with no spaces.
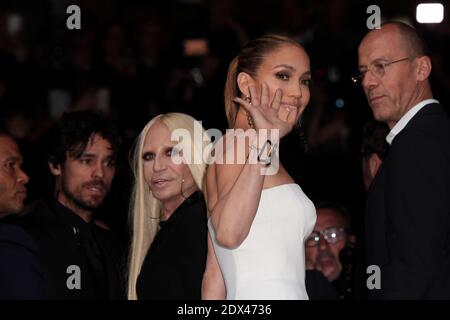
{"x":165,"y":148}
{"x":87,"y":155}
{"x":284,"y":66}
{"x":14,"y":158}
{"x":374,"y":60}
{"x":93,"y":156}
{"x":307,"y":73}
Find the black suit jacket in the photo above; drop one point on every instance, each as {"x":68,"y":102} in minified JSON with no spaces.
{"x":408,"y":211}
{"x":21,"y":275}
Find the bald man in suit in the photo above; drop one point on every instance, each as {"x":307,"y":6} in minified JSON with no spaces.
{"x":408,"y":207}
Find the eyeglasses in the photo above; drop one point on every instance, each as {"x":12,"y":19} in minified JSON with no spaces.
{"x":331,"y":235}
{"x":377,"y":68}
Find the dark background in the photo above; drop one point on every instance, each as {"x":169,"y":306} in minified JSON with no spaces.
{"x":128,"y":61}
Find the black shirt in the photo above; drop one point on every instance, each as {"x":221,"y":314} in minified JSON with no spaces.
{"x":80,"y":260}
{"x":174,"y":265}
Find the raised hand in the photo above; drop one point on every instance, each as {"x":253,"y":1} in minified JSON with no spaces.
{"x":265,"y":114}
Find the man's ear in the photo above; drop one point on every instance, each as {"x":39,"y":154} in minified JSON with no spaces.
{"x":55,"y":169}
{"x":423,"y":68}
{"x":243,"y":81}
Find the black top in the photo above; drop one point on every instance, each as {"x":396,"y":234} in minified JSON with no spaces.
{"x":21,"y":275}
{"x":80,"y":260}
{"x":174,"y":265}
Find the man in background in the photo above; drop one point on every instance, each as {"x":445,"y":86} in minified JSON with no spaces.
{"x":21,"y":275}
{"x":82,"y":260}
{"x":408,"y":206}
{"x":329,"y":248}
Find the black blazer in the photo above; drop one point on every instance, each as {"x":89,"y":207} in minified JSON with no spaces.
{"x":21,"y":275}
{"x":408,"y":211}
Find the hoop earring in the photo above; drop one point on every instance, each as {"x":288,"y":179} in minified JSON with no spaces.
{"x":181,"y":190}
{"x":249,"y":117}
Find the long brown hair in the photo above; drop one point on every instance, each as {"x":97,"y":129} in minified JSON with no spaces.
{"x":249,"y":60}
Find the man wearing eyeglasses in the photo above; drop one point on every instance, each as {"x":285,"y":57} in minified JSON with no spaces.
{"x":408,"y":208}
{"x":324,"y":247}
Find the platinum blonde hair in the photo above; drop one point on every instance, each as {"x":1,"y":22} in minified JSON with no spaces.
{"x":145,"y":209}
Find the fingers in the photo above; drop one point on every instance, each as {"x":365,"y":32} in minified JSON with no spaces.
{"x":247,"y":105}
{"x":264,"y":98}
{"x":253,"y":95}
{"x":292,"y":116}
{"x":264,"y":94}
{"x":276,"y":102}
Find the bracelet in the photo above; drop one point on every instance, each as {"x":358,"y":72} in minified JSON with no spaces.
{"x":271,"y":152}
{"x":267,"y":161}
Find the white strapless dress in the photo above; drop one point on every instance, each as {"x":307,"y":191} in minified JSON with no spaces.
{"x":270,"y":263}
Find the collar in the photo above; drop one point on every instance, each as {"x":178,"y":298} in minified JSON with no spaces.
{"x":193,"y":198}
{"x":401,"y":124}
{"x":69,"y":217}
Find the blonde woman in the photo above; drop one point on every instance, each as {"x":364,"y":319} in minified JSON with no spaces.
{"x":168,"y":212}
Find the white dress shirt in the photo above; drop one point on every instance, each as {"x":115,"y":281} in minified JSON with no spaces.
{"x":401,"y":124}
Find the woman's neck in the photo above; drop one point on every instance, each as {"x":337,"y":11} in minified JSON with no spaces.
{"x":169,"y":206}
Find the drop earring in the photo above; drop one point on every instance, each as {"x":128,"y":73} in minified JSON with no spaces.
{"x":249,"y":117}
{"x":302,"y":136}
{"x":181,"y":190}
